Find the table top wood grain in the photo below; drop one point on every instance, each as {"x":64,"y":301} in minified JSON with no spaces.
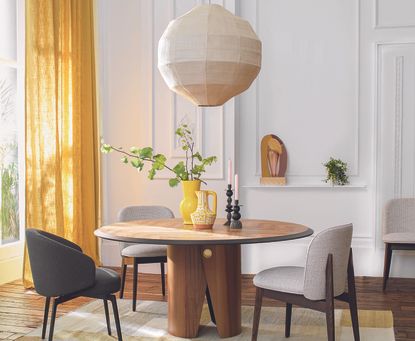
{"x":173,"y":232}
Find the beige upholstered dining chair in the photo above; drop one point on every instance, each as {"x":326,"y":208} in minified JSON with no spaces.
{"x":142,"y":253}
{"x":329,"y":266}
{"x":398,"y":230}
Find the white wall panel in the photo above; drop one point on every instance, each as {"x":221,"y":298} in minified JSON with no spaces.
{"x":396,"y":115}
{"x":309,"y":81}
{"x":332,"y":84}
{"x":395,"y":13}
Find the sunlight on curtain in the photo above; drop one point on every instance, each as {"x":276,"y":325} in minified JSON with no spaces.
{"x":62,"y":173}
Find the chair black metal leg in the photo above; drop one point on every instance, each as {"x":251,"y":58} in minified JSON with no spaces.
{"x":116,"y":316}
{"x":387,"y":265}
{"x":163,"y":283}
{"x":124,"y":273}
{"x":351,"y":288}
{"x":210,"y":305}
{"x":288,"y":312}
{"x":45,"y":317}
{"x":52,"y":319}
{"x":257,"y":314}
{"x":330,"y":324}
{"x":107,"y":316}
{"x":330,"y":299}
{"x":135,"y":275}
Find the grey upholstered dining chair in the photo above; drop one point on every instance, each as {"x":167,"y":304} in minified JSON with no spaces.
{"x":147,"y":253}
{"x":398,"y":230}
{"x":329,"y":265}
{"x":61,"y":271}
{"x":142,"y":253}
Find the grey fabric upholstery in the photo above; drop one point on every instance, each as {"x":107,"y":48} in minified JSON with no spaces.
{"x":130,"y":213}
{"x":144,"y":212}
{"x":337,"y":241}
{"x":58,"y":266}
{"x":106,"y":282}
{"x":284,"y":278}
{"x":310,"y":281}
{"x":144,"y":250}
{"x":400,"y":238}
{"x":399,"y":221}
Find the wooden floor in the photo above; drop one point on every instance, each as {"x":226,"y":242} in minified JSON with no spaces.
{"x":21,"y":310}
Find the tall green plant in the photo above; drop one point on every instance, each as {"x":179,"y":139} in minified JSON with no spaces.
{"x":191,"y":169}
{"x":9,"y":197}
{"x":10,"y":202}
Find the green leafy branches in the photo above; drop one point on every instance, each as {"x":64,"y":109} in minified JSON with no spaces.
{"x":192,"y":169}
{"x":336,"y":172}
{"x":9,"y":208}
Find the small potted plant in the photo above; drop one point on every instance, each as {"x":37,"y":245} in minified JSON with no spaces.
{"x":336,"y":172}
{"x":187,"y":172}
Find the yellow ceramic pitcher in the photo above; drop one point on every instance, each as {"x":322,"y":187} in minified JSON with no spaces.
{"x":204,"y":218}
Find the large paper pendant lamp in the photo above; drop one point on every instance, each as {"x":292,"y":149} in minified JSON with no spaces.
{"x":209,"y":55}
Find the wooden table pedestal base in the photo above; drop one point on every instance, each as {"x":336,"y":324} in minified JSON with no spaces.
{"x":190,"y":269}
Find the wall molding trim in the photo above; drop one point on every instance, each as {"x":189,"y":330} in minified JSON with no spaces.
{"x":377,"y":162}
{"x":304,"y":185}
{"x":379,"y":26}
{"x":153,"y":48}
{"x":399,"y":64}
{"x":355,"y":171}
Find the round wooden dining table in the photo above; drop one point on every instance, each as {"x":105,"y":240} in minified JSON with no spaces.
{"x":198,"y":259}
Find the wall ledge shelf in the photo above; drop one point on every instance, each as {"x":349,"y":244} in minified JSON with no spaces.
{"x":308,"y":185}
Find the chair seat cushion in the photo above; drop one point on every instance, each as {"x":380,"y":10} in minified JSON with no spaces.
{"x":106,"y":282}
{"x":400,"y":237}
{"x":144,"y":250}
{"x":288,"y":279}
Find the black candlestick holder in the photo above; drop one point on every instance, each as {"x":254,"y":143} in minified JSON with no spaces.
{"x":229,"y":194}
{"x":236,"y":216}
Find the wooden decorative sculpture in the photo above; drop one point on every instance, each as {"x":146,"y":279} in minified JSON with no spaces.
{"x":273,"y":160}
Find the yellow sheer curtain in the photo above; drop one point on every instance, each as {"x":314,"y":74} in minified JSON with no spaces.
{"x":62,"y":151}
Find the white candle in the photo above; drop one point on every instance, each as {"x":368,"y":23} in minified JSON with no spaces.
{"x":236,"y":187}
{"x":229,"y":172}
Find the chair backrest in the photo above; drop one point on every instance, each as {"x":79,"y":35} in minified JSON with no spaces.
{"x":58,"y":266}
{"x":399,"y":216}
{"x":130,"y":213}
{"x":336,"y":241}
{"x":144,"y":212}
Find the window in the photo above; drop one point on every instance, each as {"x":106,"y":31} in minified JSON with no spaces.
{"x":11,"y":121}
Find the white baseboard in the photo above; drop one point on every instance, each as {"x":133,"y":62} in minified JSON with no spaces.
{"x":11,"y":269}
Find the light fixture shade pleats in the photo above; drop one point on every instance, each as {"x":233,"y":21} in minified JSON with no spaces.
{"x":209,"y":55}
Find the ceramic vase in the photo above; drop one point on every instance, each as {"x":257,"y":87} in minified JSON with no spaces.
{"x":189,"y":203}
{"x":204,"y":217}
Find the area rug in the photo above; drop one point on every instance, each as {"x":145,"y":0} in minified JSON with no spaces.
{"x":149,"y":323}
